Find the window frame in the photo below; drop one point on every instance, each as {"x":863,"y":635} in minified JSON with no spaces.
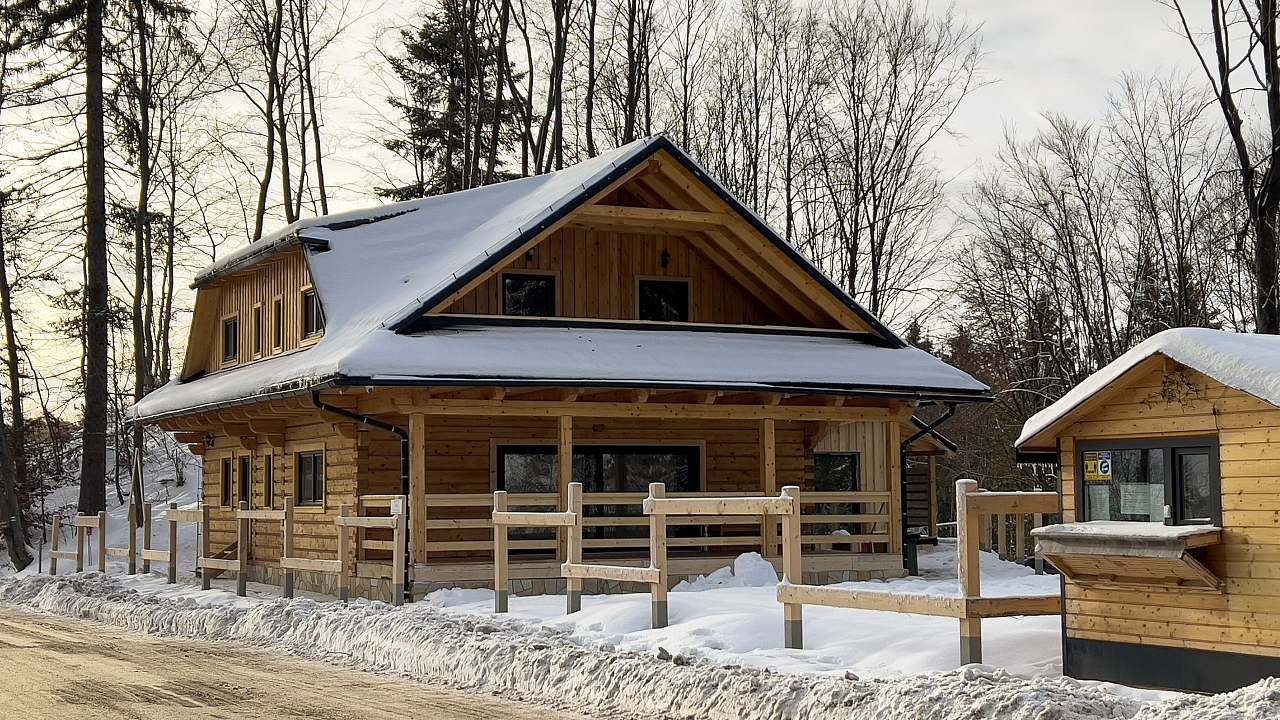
{"x":500,"y":448}
{"x":553,"y":275}
{"x":1172,"y":493}
{"x":313,"y":502}
{"x":688,"y":289}
{"x":257,"y":346}
{"x":244,"y":481}
{"x":226,"y":360}
{"x":226,"y":481}
{"x":309,"y":291}
{"x":268,"y":480}
{"x":277,"y":324}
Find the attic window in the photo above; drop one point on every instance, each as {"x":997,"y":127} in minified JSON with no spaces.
{"x":529,"y":294}
{"x":663,"y":300}
{"x":312,"y":314}
{"x":230,"y":339}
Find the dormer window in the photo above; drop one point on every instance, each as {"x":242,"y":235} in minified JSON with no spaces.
{"x":230,"y":339}
{"x":663,"y":300}
{"x":312,"y":314}
{"x":529,"y":294}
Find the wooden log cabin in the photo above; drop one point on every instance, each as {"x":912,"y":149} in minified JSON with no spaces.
{"x":621,"y":321}
{"x":1170,"y":549}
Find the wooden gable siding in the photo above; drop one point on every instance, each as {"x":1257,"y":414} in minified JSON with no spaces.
{"x":1244,"y":619}
{"x":284,"y":276}
{"x":315,"y":534}
{"x":597,"y":274}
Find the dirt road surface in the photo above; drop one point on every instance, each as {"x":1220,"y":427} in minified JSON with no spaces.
{"x":70,"y":669}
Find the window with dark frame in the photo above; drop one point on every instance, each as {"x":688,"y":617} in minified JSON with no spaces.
{"x":310,"y":471}
{"x":663,"y":300}
{"x":246,"y":480}
{"x":312,"y":314}
{"x":603,"y":468}
{"x":227,"y":482}
{"x":230,"y":339}
{"x":1144,"y":480}
{"x":257,"y":329}
{"x":529,"y":294}
{"x":277,"y":320}
{"x":269,"y":480}
{"x":837,"y":472}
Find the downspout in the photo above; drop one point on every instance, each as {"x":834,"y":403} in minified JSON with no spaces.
{"x":404,"y":464}
{"x":902,"y":467}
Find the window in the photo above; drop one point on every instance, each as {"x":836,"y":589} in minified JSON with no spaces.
{"x":277,"y":321}
{"x":603,"y":468}
{"x":663,"y":300}
{"x":246,"y":480}
{"x":310,"y":471}
{"x":269,"y":480}
{"x":312,"y":314}
{"x":257,"y":329}
{"x":228,"y":486}
{"x":837,"y":472}
{"x":1147,"y":481}
{"x":230,"y":339}
{"x":529,"y":295}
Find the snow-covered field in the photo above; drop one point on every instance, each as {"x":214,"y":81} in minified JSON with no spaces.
{"x":720,"y":658}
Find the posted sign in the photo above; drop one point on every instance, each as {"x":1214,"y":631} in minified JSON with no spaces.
{"x":1097,"y":466}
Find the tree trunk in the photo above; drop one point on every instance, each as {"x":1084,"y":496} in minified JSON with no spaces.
{"x":15,"y":449}
{"x":93,"y":458}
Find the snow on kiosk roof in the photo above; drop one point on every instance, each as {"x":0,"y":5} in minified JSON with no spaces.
{"x":1244,"y":361}
{"x":376,"y":271}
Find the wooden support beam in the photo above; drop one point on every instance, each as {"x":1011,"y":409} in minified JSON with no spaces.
{"x":520,"y":408}
{"x":564,"y":475}
{"x":768,"y":438}
{"x":968,"y":527}
{"x":418,"y":487}
{"x":621,"y":217}
{"x":189,"y":437}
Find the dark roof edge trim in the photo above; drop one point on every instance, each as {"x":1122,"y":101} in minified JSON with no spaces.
{"x":258,"y":254}
{"x":659,"y":142}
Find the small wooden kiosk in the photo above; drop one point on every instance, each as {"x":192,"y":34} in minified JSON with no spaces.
{"x":1170,"y":547}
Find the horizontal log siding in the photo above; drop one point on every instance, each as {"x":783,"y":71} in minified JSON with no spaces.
{"x":1246,"y":619}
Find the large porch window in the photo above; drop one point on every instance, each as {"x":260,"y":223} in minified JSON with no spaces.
{"x":601,"y":468}
{"x":837,"y":472}
{"x":1138,"y":480}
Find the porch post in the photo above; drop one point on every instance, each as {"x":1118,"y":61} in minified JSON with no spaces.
{"x":769,"y":484}
{"x":893,"y":452}
{"x":564,"y":476}
{"x":417,"y":499}
{"x":968,"y":569}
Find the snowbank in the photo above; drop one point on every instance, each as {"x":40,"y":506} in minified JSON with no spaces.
{"x":552,"y":667}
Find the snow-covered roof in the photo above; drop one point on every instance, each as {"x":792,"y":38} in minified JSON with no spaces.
{"x":1125,"y":529}
{"x":377,"y":270}
{"x":1244,"y":361}
{"x":472,"y":353}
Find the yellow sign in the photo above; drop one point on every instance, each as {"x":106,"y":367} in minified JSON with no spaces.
{"x":1097,"y":466}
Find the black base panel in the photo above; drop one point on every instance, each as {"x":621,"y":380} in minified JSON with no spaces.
{"x":1167,"y":668}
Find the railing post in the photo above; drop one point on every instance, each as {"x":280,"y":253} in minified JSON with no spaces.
{"x":147,"y":519}
{"x":768,"y":484}
{"x":573,"y":586}
{"x":501,"y":585}
{"x":658,"y":558}
{"x":133,"y":537}
{"x":80,"y":549}
{"x":205,"y":545}
{"x":344,"y":548}
{"x":1037,"y":520}
{"x":242,"y":551}
{"x":102,"y":541}
{"x":968,"y":569}
{"x":173,"y":545}
{"x":53,"y":547}
{"x":1019,"y":537}
{"x":398,"y":560}
{"x":1002,"y":533}
{"x":792,"y":569}
{"x":286,"y":584}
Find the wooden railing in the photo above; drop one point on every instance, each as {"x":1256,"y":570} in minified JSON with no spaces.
{"x":746,"y":531}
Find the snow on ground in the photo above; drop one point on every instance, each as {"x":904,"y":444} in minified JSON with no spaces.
{"x":734,"y":617}
{"x":556,"y":667}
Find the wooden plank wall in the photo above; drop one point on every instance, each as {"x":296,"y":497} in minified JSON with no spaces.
{"x":597,"y":272}
{"x":283,"y":276}
{"x":315,"y":533}
{"x":870,"y":439}
{"x":1246,"y":619}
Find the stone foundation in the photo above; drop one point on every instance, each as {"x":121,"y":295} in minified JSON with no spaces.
{"x":322,"y":583}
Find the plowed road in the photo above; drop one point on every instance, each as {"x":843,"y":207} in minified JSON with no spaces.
{"x":68,"y":669}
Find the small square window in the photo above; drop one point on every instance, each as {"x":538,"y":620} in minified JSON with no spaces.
{"x":230,"y":339}
{"x":312,"y":314}
{"x":310,"y":471}
{"x":664,"y":300}
{"x":529,"y":295}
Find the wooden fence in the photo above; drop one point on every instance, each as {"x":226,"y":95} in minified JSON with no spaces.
{"x":974,"y":510}
{"x":82,"y":524}
{"x":503,"y":519}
